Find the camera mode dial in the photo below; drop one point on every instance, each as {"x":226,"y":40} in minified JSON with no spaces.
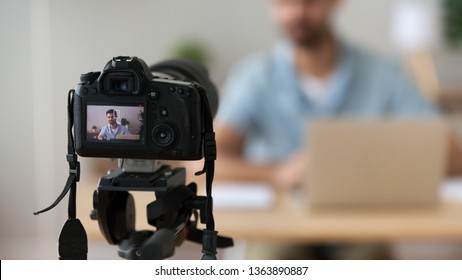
{"x":89,"y":77}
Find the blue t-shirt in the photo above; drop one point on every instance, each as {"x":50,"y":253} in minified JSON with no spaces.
{"x":108,"y":133}
{"x":263,"y":99}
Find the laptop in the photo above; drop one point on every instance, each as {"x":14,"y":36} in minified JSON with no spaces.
{"x":375,"y":163}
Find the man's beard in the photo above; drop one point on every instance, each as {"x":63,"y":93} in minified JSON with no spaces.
{"x":310,"y":41}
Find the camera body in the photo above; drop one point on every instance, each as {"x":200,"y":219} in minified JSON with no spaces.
{"x":126,"y":111}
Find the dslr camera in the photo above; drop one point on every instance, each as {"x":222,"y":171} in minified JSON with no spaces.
{"x":161,"y":109}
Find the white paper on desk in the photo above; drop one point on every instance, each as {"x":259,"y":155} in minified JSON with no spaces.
{"x":242,"y":196}
{"x":451,"y":189}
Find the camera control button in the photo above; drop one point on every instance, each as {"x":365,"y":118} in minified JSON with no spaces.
{"x":163,"y":135}
{"x":84,"y":90}
{"x":154,"y":93}
{"x":93,"y":91}
{"x":180,"y":90}
{"x":172,"y":89}
{"x":164,"y":112}
{"x":89,"y":77}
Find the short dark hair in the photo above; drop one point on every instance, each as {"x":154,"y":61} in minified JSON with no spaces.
{"x":111,"y":111}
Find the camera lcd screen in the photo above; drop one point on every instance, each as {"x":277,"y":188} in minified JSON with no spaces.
{"x":115,"y":124}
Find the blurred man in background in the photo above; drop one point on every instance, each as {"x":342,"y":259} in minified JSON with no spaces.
{"x":268,"y":98}
{"x":312,"y":73}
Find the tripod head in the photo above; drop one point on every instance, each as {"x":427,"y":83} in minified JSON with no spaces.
{"x":170,"y":213}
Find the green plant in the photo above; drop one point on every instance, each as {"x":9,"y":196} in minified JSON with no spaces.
{"x":191,"y":49}
{"x":141,"y":121}
{"x":453,"y":21}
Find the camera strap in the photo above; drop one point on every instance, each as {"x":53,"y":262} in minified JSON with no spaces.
{"x":73,"y":238}
{"x":209,"y":235}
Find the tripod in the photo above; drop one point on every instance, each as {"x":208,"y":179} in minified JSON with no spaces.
{"x":175,"y":213}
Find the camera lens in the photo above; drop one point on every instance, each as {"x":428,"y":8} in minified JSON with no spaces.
{"x":190,"y":70}
{"x":163,"y":135}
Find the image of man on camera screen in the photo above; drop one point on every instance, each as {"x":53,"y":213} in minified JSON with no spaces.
{"x":113,"y":127}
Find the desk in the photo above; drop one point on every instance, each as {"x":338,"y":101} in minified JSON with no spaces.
{"x":287,"y":222}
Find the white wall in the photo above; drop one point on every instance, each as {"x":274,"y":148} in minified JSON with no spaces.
{"x":368,"y":24}
{"x":47,"y":44}
{"x":95,"y":31}
{"x":17,"y":144}
{"x":29,"y":170}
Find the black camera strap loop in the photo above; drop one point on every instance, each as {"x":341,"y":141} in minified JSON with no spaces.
{"x":209,"y":235}
{"x":73,"y":238}
{"x":74,"y":165}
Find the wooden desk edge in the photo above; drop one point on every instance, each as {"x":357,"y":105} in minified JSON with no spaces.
{"x":291,"y":224}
